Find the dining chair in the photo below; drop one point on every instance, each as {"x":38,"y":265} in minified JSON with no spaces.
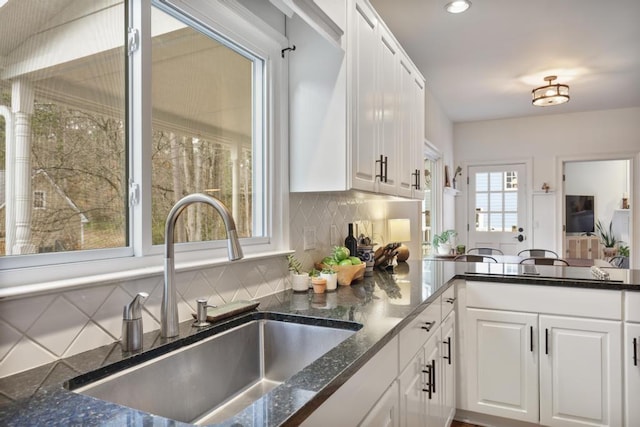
{"x":475,"y":258}
{"x":619,"y":261}
{"x":538,"y":253}
{"x":485,"y":251}
{"x":544,"y":261}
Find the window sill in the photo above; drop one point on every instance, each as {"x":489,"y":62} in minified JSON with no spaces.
{"x":45,"y":287}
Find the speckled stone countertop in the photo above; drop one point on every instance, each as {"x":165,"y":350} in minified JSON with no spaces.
{"x":382,"y":304}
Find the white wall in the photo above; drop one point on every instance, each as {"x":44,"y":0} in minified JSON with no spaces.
{"x":439,"y":132}
{"x":546,"y":141}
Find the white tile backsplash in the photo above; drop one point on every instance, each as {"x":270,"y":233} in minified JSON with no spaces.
{"x":40,"y":329}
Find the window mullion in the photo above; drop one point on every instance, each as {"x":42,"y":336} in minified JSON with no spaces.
{"x":139,"y":102}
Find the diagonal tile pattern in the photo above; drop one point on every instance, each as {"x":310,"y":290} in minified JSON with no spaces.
{"x":37,"y":330}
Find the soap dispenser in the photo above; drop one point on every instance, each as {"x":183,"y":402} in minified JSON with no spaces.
{"x":132,"y":323}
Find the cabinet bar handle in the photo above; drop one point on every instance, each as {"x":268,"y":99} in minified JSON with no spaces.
{"x":448,"y":356}
{"x":386,"y":162}
{"x":427,"y":326}
{"x":635,"y":352}
{"x":546,"y":341}
{"x":433,"y":372}
{"x":531,"y":339}
{"x":427,"y":385}
{"x":450,"y":300}
{"x":381,"y":175}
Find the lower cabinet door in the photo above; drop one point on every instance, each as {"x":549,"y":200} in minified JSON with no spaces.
{"x":385,"y":413}
{"x":448,"y":363}
{"x":420,"y":382}
{"x":632,"y":374}
{"x":502,"y":363}
{"x":580,"y":372}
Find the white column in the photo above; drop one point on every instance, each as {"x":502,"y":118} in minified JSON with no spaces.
{"x":22,"y":97}
{"x":9,"y":208}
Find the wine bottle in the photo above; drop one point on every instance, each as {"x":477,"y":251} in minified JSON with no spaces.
{"x":351,"y":243}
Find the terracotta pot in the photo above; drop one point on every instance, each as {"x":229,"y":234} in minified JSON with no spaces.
{"x":609,"y":252}
{"x":319,"y":284}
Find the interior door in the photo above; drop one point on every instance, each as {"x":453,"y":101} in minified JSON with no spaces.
{"x":497,"y":203}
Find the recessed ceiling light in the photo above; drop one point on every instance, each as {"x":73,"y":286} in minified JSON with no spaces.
{"x":457,"y":6}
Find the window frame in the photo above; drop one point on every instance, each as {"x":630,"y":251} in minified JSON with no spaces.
{"x":235,"y":23}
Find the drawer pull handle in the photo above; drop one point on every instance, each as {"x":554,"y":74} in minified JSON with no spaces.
{"x":450,"y":300}
{"x":433,"y":372}
{"x":448,"y":356}
{"x":635,"y":352}
{"x":427,"y":326}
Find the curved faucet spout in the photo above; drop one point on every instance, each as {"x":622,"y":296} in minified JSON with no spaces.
{"x":169,"y":308}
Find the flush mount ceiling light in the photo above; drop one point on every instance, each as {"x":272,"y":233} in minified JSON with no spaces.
{"x":457,"y":6}
{"x":551,"y":94}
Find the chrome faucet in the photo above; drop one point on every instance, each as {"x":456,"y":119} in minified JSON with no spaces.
{"x":169,"y":308}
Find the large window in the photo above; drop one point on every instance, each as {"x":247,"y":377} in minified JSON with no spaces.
{"x":75,"y":91}
{"x":202,"y":128}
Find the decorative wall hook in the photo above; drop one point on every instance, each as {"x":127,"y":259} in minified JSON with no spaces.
{"x":293,"y":47}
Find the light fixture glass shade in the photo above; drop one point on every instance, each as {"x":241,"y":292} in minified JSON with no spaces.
{"x":457,"y":6}
{"x":551,"y":94}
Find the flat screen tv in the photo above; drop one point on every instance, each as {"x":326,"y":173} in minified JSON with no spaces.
{"x":579,"y":214}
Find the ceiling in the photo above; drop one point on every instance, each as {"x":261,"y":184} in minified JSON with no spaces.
{"x":483,"y":64}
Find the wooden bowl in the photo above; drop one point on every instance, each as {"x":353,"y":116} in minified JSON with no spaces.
{"x":347,"y":273}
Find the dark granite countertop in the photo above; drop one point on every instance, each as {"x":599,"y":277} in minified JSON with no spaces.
{"x":382,"y":304}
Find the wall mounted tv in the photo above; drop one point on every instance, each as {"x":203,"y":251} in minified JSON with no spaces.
{"x":579,"y":211}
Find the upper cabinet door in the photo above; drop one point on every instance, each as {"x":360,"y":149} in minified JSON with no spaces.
{"x":364,"y":51}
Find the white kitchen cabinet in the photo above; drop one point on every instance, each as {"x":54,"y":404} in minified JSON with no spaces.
{"x":632,"y":374}
{"x":502,"y":364}
{"x":448,"y":369}
{"x":580,"y":372}
{"x":574,"y":363}
{"x":351,"y":107}
{"x":420,"y":387}
{"x":385,"y":413}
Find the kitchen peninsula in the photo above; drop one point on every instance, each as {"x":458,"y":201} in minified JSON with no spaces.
{"x":387,"y":305}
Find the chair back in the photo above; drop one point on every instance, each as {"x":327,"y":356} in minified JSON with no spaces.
{"x":544,"y":261}
{"x":485,"y":251}
{"x":538,"y":253}
{"x":474,"y":258}
{"x":619,"y":261}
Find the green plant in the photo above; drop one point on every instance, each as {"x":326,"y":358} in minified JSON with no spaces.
{"x":314,"y":273}
{"x":443,"y":238}
{"x":623,"y":250}
{"x":606,"y":236}
{"x":327,"y":269}
{"x":295,"y":265}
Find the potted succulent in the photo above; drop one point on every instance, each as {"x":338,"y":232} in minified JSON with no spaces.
{"x":331,"y":275}
{"x":299,"y":278}
{"x":443,"y":242}
{"x":608,"y":239}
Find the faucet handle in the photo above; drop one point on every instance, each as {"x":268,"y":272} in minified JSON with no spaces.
{"x":132,"y":330}
{"x":133,"y":310}
{"x":201,"y":313}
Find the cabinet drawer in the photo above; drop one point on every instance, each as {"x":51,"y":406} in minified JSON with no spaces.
{"x":632,"y":306}
{"x":416,"y":333}
{"x":448,"y":300}
{"x":561,"y":300}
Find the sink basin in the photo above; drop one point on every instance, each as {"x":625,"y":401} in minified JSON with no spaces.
{"x":215,"y":378}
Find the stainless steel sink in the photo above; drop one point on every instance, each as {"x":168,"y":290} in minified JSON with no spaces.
{"x":215,"y":378}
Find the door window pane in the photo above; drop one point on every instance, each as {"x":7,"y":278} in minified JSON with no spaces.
{"x":203,"y":121}
{"x":66,"y":59}
{"x":496,"y":201}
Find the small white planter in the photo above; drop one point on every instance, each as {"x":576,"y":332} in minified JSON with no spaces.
{"x":332,"y":280}
{"x":444,"y":249}
{"x":300,"y":282}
